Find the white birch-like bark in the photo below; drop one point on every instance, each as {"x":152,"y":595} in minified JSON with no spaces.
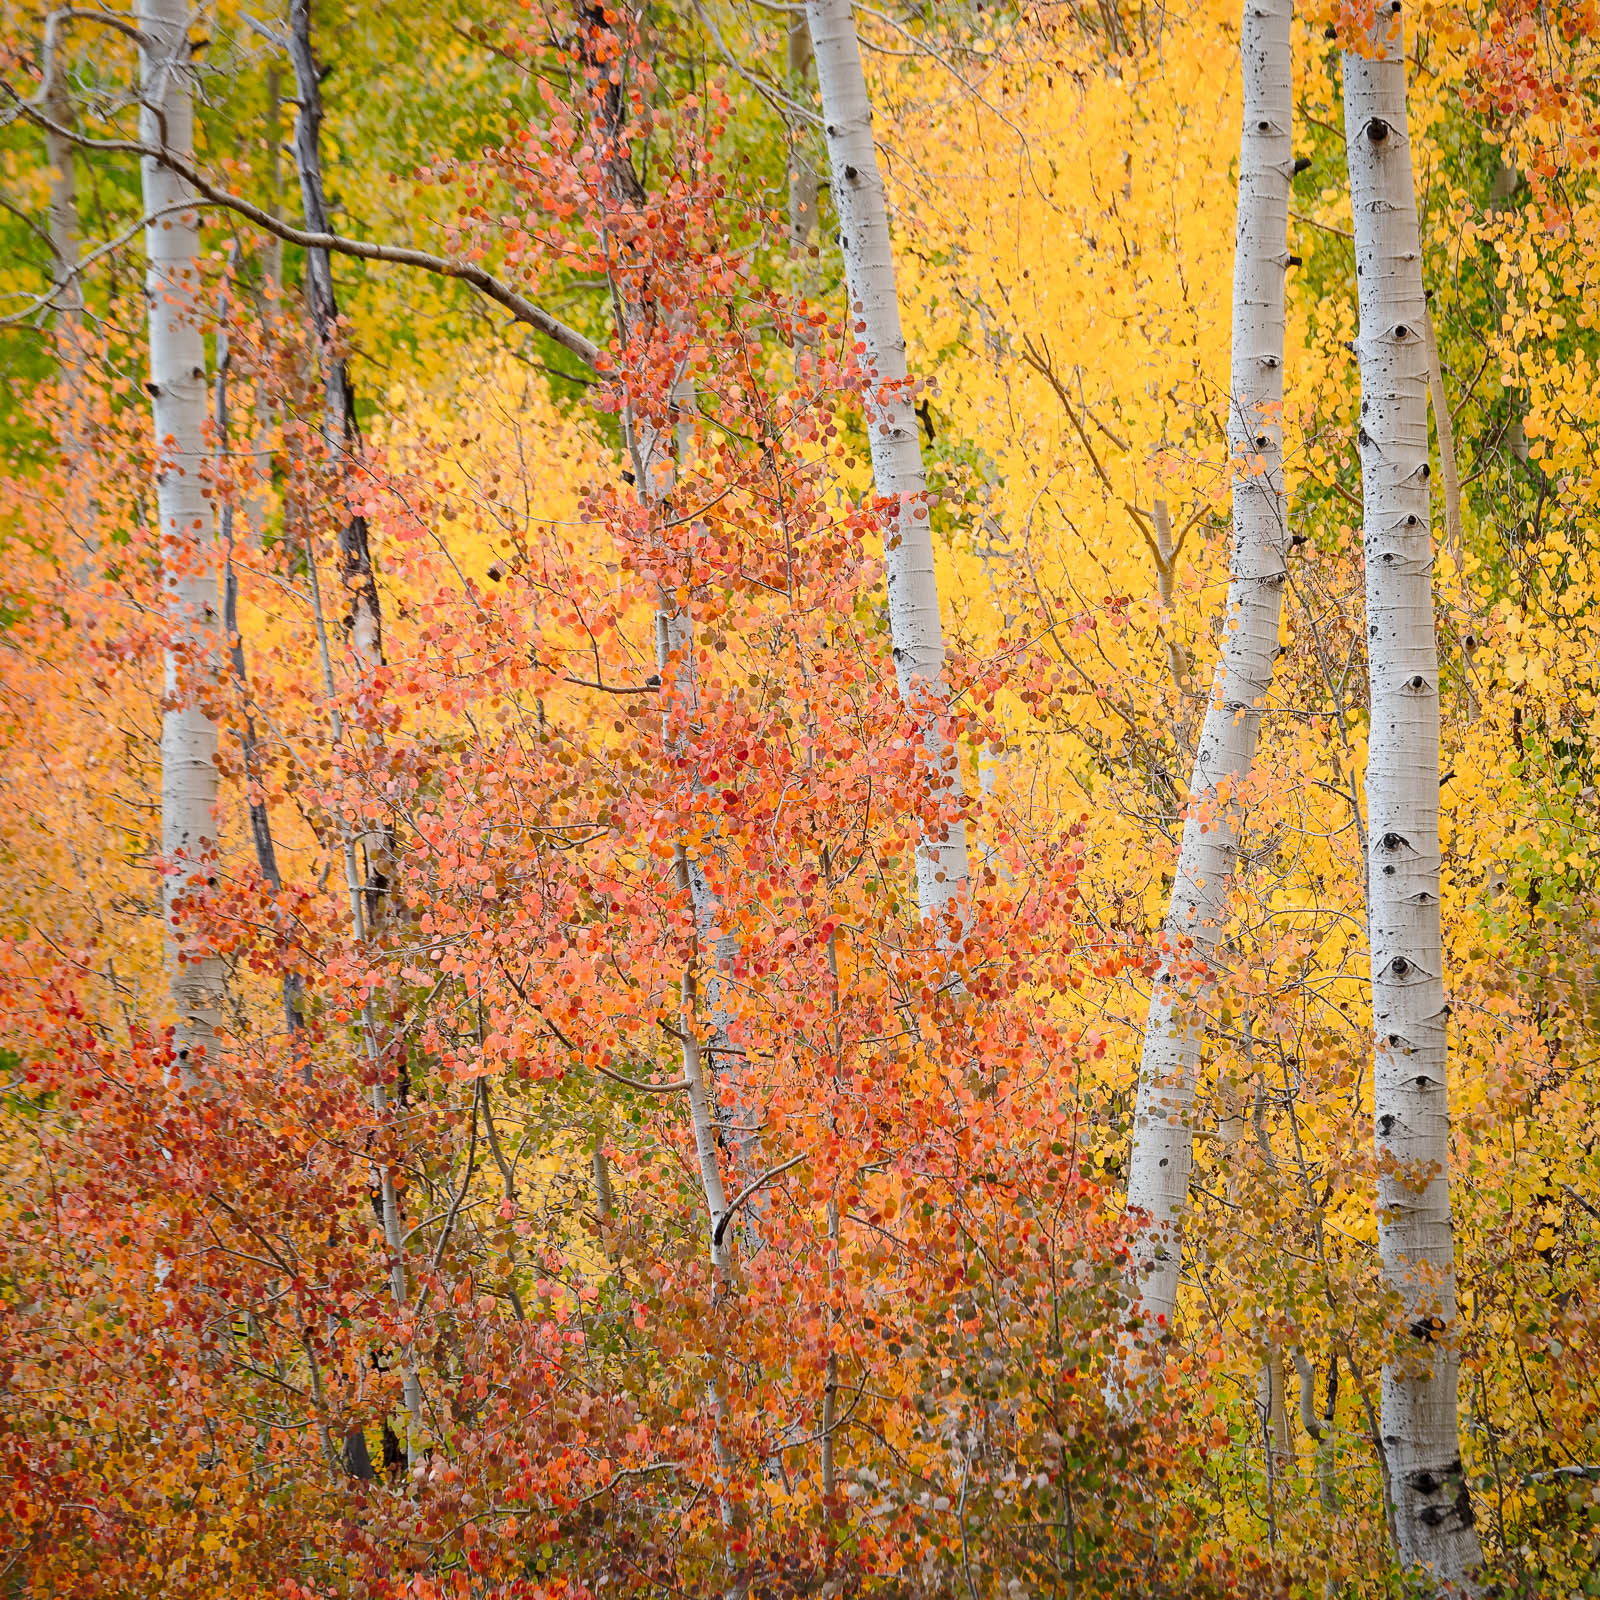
{"x":188,"y":556}
{"x":655,"y":477}
{"x":897,"y":471}
{"x":67,"y":300}
{"x":63,"y":224}
{"x":1163,"y":1133}
{"x":1416,"y":1243}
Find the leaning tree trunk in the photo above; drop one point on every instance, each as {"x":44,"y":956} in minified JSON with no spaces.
{"x":892,"y":425}
{"x":1416,"y":1243}
{"x":1163,"y":1134}
{"x":188,"y":557}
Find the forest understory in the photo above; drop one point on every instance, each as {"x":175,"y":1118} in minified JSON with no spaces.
{"x":799,"y":799}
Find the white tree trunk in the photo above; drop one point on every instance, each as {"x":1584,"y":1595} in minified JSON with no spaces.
{"x":1433,"y":1510}
{"x":68,"y":297}
{"x":1163,"y":1135}
{"x":655,"y":478}
{"x":188,"y":555}
{"x":72,"y":348}
{"x":892,"y":426}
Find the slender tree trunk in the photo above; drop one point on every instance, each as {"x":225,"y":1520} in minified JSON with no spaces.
{"x":1163,"y":1135}
{"x":188,"y":555}
{"x":897,"y":470}
{"x":340,"y":428}
{"x":71,"y":324}
{"x":1277,"y":1452}
{"x":654,"y":451}
{"x":67,"y":300}
{"x":804,"y":184}
{"x":260,"y":820}
{"x":388,"y":1195}
{"x":655,"y":476}
{"x":369,"y":892}
{"x":1416,"y":1242}
{"x":255,"y":502}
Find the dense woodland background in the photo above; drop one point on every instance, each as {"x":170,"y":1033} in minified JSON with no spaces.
{"x":561,"y":1124}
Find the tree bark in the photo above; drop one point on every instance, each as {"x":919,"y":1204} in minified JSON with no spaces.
{"x":804,"y":183}
{"x":897,"y":470}
{"x":369,"y":893}
{"x":71,"y":324}
{"x":249,"y":746}
{"x":1416,"y":1242}
{"x":188,"y":554}
{"x":341,"y":430}
{"x":256,"y":501}
{"x":63,"y":225}
{"x":1163,"y":1135}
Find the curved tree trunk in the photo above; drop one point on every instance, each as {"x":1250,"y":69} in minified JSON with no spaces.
{"x":892,"y":425}
{"x":1163,"y":1135}
{"x":1416,"y":1243}
{"x":188,"y":555}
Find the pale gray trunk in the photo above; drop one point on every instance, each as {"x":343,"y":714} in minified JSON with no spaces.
{"x":1273,"y":1418}
{"x":655,"y":477}
{"x":874,"y":318}
{"x":830,"y":1376}
{"x":188,"y":555}
{"x":804,"y":184}
{"x":1416,"y":1243}
{"x":249,"y":747}
{"x":68,"y":296}
{"x":1163,"y":1135}
{"x":1320,"y":1428}
{"x":72,"y":348}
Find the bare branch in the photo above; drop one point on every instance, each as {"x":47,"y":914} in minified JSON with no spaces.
{"x":750,"y":1188}
{"x":468,"y":272}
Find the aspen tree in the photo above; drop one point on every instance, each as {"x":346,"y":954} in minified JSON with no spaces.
{"x":1416,"y":1241}
{"x":653,"y":451}
{"x":340,"y":428}
{"x":188,"y":559}
{"x":1163,"y":1133}
{"x":67,"y":299}
{"x":68,"y":286}
{"x":249,"y":743}
{"x":368,"y":895}
{"x":874,"y":316}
